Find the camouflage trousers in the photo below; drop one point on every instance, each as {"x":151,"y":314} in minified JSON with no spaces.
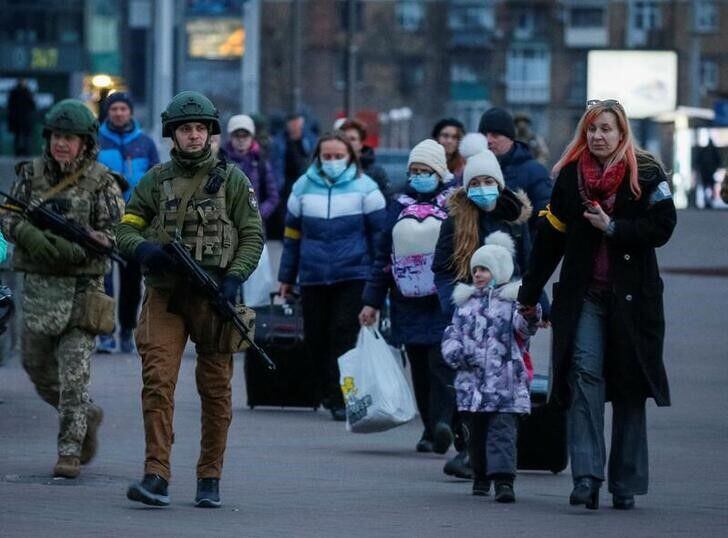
{"x":60,"y":367}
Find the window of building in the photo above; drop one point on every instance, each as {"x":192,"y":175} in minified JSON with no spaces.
{"x":709,"y":74}
{"x":410,"y":14}
{"x":577,"y":87}
{"x":343,"y":6}
{"x":465,"y":82}
{"x":528,"y":75}
{"x":466,"y":15}
{"x":706,"y":16}
{"x":586,"y":17}
{"x":412,"y":76}
{"x":525,"y":23}
{"x":646,"y":15}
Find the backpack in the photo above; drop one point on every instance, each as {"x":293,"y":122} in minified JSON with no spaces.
{"x":414,"y":237}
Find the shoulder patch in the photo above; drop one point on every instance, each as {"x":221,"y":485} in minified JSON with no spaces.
{"x":252,"y":200}
{"x":661,"y":192}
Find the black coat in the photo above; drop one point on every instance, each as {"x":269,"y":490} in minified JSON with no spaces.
{"x":633,"y":361}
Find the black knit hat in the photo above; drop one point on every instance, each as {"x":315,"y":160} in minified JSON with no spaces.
{"x":497,"y":120}
{"x":119,"y":97}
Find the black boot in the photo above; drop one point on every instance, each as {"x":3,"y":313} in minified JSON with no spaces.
{"x":481,"y":487}
{"x":208,"y":493}
{"x":503,"y":488}
{"x":425,"y":443}
{"x":623,"y":502}
{"x":151,"y":490}
{"x":586,"y":492}
{"x":459,"y":466}
{"x":441,"y":437}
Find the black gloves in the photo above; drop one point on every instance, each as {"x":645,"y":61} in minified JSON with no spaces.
{"x":153,"y":257}
{"x":230,"y":287}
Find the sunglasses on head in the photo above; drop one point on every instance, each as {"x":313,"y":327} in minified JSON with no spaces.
{"x":606,"y":102}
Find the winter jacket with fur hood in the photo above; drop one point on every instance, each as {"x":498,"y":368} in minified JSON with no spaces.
{"x":487,"y":344}
{"x":510,"y":215}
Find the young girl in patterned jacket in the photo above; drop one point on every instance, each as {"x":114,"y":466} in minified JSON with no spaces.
{"x":487,"y":344}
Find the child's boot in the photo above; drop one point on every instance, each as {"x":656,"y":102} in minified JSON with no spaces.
{"x":504,"y":489}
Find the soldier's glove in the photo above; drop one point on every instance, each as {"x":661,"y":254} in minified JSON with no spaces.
{"x":154,"y":258}
{"x":34,"y":241}
{"x":69,"y":252}
{"x":230,"y":287}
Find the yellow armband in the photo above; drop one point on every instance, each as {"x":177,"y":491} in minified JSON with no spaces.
{"x":553,"y":219}
{"x":134,"y":220}
{"x":292,"y":233}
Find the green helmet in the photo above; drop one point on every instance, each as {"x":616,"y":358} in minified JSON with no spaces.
{"x":71,"y":116}
{"x":189,"y":106}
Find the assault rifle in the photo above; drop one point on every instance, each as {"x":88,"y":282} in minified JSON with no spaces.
{"x":187,"y":265}
{"x":45,"y":218}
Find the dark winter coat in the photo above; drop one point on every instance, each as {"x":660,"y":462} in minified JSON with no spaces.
{"x":373,"y":170}
{"x":261,"y":176}
{"x":415,"y":320}
{"x":522,"y":171}
{"x":634,"y":369}
{"x":510,"y":215}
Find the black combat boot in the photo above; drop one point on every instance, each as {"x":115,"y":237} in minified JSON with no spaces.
{"x":152,"y":490}
{"x":459,"y":466}
{"x":208,"y":493}
{"x":481,"y":487}
{"x":441,"y":437}
{"x":623,"y":502}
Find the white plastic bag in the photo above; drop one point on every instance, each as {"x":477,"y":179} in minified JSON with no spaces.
{"x":257,"y":289}
{"x":376,"y":392}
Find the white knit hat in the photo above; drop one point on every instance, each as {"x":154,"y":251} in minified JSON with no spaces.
{"x":484,"y":163}
{"x":241,"y":121}
{"x":496,"y":256}
{"x":471,"y":144}
{"x":432,"y":154}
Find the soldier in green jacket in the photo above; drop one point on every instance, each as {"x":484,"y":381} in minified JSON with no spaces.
{"x":210,"y":206}
{"x":64,"y":303}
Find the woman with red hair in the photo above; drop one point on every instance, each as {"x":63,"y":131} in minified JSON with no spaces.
{"x":610,"y":208}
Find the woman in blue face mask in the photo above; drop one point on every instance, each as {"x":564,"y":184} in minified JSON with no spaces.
{"x":403,"y":269}
{"x":482,"y":206}
{"x":335,"y":213}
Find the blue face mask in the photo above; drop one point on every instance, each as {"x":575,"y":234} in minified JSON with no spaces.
{"x":334,"y":168}
{"x":484,"y":197}
{"x":423,"y":183}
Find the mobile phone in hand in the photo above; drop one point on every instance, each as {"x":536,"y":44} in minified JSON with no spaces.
{"x":591,"y":207}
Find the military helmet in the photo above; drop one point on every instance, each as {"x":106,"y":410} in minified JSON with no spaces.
{"x":71,"y":116}
{"x":190,"y":106}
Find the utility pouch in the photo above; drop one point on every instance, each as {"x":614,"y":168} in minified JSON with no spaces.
{"x":96,"y":312}
{"x":230,"y":339}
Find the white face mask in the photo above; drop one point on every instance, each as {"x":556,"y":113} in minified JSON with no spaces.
{"x":333,"y":168}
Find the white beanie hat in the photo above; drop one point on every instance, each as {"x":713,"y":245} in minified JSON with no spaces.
{"x":484,"y":163}
{"x":241,"y":121}
{"x":496,"y":256}
{"x":471,"y":144}
{"x":432,"y":154}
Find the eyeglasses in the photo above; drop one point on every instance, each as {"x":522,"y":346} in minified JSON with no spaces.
{"x":606,"y":102}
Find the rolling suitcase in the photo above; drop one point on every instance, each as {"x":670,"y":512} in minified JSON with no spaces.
{"x":279,"y":331}
{"x":542,"y":443}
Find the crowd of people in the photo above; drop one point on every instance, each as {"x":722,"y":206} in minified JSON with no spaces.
{"x":461,"y":258}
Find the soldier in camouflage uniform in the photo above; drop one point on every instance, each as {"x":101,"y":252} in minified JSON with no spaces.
{"x":210,"y":205}
{"x":63,"y":300}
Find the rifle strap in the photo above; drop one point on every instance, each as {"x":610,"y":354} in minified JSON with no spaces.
{"x":197,"y":180}
{"x":69,"y":181}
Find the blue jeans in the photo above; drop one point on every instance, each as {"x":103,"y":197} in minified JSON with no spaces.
{"x":628,"y":466}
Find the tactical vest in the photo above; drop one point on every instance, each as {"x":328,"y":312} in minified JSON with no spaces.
{"x":77,"y":203}
{"x":205,"y":227}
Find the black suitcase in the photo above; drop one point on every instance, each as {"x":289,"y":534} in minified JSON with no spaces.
{"x":279,"y":331}
{"x":542,"y":443}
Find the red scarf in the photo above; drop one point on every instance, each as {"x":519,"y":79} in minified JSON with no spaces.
{"x":599,"y":185}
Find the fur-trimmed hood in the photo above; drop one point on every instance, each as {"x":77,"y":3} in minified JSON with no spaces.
{"x":511,"y":206}
{"x":463,"y":292}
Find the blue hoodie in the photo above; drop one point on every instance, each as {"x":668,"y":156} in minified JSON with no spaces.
{"x":331,"y":228}
{"x":130,"y":154}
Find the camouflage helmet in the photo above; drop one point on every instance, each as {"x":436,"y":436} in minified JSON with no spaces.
{"x":190,"y":106}
{"x":71,"y":116}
